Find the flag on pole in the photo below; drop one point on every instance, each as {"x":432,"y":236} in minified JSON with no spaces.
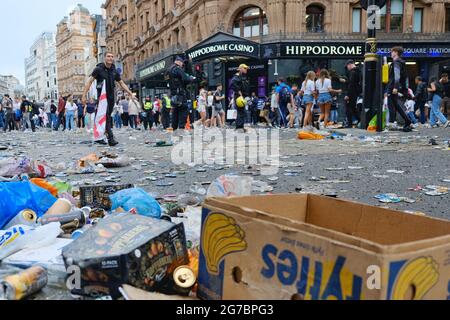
{"x":100,"y":117}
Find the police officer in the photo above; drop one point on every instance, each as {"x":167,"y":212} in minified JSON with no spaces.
{"x":178,"y":80}
{"x":165,"y":112}
{"x":148,"y":113}
{"x":240,"y":87}
{"x":397,"y":86}
{"x":107,"y":72}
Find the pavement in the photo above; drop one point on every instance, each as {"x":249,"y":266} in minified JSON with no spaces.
{"x":355,"y":168}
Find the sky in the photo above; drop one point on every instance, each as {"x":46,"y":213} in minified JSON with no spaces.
{"x":21,"y":23}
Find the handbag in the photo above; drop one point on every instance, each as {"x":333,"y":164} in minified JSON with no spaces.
{"x":232,"y":114}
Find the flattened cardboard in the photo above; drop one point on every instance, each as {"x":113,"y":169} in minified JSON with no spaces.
{"x":313,"y":247}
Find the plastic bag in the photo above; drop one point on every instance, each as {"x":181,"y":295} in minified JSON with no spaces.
{"x":373,"y":122}
{"x":230,"y":186}
{"x":138,"y":199}
{"x":304,"y":135}
{"x":41,"y":168}
{"x":45,"y":185}
{"x":63,"y":187}
{"x":18,"y":196}
{"x":11,"y":167}
{"x":24,"y":237}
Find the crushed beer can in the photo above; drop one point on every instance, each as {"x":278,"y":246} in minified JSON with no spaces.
{"x":24,"y":284}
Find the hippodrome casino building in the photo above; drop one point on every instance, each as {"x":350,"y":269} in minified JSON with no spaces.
{"x":283,"y":38}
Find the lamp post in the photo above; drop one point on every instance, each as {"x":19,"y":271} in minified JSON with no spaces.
{"x":372,"y":82}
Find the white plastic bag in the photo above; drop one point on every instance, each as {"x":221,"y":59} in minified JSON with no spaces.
{"x":230,"y":186}
{"x":24,"y":237}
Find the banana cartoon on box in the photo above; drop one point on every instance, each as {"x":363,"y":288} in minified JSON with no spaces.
{"x":415,"y":279}
{"x":220,"y":237}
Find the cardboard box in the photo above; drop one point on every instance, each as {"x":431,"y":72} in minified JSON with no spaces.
{"x":312,"y":247}
{"x":127,"y":249}
{"x":97,"y":197}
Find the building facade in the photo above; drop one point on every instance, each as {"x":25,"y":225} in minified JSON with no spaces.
{"x":284,"y":35}
{"x":41,"y":69}
{"x":13,"y":86}
{"x":74,"y":49}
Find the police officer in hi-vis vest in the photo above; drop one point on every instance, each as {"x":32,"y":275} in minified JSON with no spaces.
{"x":148,"y":113}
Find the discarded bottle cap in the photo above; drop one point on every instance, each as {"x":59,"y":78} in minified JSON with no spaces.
{"x":184,"y":277}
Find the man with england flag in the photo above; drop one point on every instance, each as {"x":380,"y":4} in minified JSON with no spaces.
{"x":106,"y":75}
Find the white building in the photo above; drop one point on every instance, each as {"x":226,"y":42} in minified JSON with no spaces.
{"x":13,"y":86}
{"x":41,"y":69}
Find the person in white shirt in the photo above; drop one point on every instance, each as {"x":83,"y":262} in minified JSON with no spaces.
{"x":308,"y":89}
{"x":71,"y":108}
{"x":410,"y":105}
{"x":47,"y":107}
{"x":325,"y":100}
{"x":201,"y":107}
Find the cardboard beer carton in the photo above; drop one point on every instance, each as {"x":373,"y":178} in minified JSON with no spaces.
{"x":126,"y":249}
{"x":315,"y":248}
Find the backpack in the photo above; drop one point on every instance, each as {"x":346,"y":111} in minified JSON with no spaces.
{"x":285,"y":95}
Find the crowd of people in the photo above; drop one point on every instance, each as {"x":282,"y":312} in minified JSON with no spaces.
{"x":314,"y":103}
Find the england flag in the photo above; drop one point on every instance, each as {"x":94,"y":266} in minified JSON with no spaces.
{"x":100,"y":117}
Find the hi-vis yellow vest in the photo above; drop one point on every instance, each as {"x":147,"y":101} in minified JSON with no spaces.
{"x":148,"y":106}
{"x":168,"y":103}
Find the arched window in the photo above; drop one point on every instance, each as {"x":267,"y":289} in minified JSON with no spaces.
{"x":251,"y":22}
{"x":314,"y":18}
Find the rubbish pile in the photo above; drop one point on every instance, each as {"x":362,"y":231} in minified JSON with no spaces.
{"x":113,"y":234}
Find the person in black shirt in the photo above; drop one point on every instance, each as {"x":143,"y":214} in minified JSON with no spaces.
{"x":107,"y":72}
{"x":240,"y":87}
{"x":445,"y":104}
{"x":397,"y":85}
{"x":421,"y":97}
{"x":53,"y":118}
{"x":178,"y":81}
{"x":354,"y":90}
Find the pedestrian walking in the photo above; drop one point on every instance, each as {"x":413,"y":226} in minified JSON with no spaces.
{"x":133,"y":112}
{"x":53,"y":118}
{"x":308,"y":90}
{"x":148,"y":114}
{"x":240,"y":86}
{"x":397,"y":87}
{"x":157,"y":111}
{"x":325,"y":99}
{"x":117,"y":115}
{"x":445,"y":104}
{"x":26,"y":108}
{"x":47,"y":107}
{"x":89,"y":111}
{"x":218,"y":113}
{"x":354,"y":90}
{"x":202,"y":107}
{"x":166,"y":108}
{"x":71,"y":109}
{"x":421,"y":97}
{"x":179,"y":95}
{"x":7,"y":106}
{"x":61,"y":113}
{"x":80,"y":115}
{"x":107,"y":73}
{"x":17,"y":113}
{"x":437,"y":92}
{"x":284,"y":97}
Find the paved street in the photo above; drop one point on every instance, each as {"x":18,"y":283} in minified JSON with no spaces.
{"x":353,"y":168}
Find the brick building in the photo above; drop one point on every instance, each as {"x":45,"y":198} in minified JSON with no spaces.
{"x":286,"y":37}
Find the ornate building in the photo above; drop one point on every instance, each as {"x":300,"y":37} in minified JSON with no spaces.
{"x":74,"y":47}
{"x":143,"y":32}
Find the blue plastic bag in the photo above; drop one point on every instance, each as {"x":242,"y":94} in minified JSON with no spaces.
{"x":138,"y":199}
{"x":18,"y":196}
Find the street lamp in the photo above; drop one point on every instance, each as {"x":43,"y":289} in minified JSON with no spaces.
{"x":372,"y":77}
